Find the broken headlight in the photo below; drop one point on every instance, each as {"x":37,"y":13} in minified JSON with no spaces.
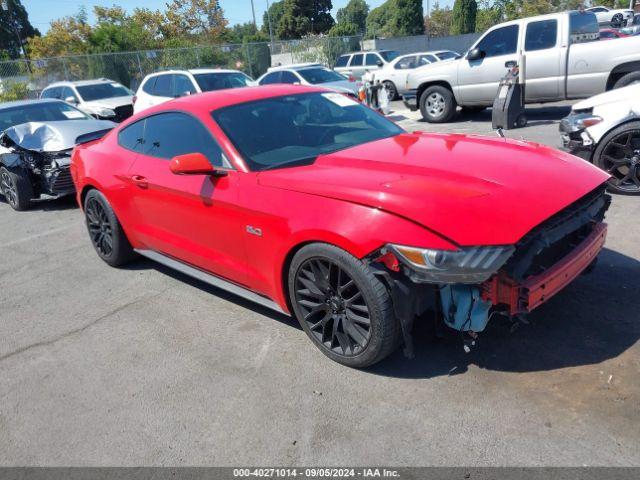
{"x":466,"y":265}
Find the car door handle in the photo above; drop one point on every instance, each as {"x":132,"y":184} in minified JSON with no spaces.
{"x":140,"y":181}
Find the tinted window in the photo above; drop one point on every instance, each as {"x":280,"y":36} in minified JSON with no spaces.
{"x":39,"y":112}
{"x":583,"y":27}
{"x":541,"y":35}
{"x":320,"y":75}
{"x":68,"y":92}
{"x":389,"y":55}
{"x":131,"y":137}
{"x":217,"y":81}
{"x":99,"y":91}
{"x":170,"y":134}
{"x":181,"y":85}
{"x":270,"y":78}
{"x":373,"y":59}
{"x":49,"y":93}
{"x":447,"y":55}
{"x":295,"y":129}
{"x":356,"y":60}
{"x":149,"y":86}
{"x":406,"y":63}
{"x":342,"y":61}
{"x":288,"y":77}
{"x":163,"y":86}
{"x":502,"y":41}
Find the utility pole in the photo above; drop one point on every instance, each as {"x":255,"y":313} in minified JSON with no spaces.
{"x":270,"y":28}
{"x":6,"y":6}
{"x":253,"y":11}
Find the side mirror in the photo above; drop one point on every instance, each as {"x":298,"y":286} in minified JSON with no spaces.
{"x":379,"y":63}
{"x":71,"y":100}
{"x":475,"y":54}
{"x":194,"y":164}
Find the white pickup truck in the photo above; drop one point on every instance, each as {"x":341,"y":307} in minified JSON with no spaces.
{"x":563,"y":58}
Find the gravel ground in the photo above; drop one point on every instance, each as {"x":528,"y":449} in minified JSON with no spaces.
{"x":143,"y":366}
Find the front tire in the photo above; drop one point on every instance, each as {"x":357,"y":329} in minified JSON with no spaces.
{"x":437,"y":104}
{"x":618,"y":154}
{"x":105,"y":231}
{"x":345,"y":310}
{"x":16,"y":188}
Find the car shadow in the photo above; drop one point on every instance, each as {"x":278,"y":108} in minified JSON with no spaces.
{"x":539,"y":115}
{"x":593,"y":320}
{"x":146,"y":264}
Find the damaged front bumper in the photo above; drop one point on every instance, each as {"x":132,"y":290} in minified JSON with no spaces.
{"x":542,"y":264}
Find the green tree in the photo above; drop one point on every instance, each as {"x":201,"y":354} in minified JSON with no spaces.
{"x":396,"y":18}
{"x":438,"y":24}
{"x":202,"y":20}
{"x":275,"y":13}
{"x":355,"y":13}
{"x":15,"y":28}
{"x":303,"y":17}
{"x":238,"y":32}
{"x":464,"y":17}
{"x":14,"y":91}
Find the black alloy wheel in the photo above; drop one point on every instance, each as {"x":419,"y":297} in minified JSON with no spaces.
{"x":333,"y":307}
{"x":100,"y":228}
{"x":16,"y":187}
{"x":8,"y":188}
{"x":620,"y":157}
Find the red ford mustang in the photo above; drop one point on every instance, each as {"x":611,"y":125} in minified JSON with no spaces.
{"x":307,"y":202}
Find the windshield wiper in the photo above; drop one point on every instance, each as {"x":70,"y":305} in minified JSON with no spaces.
{"x":302,"y":161}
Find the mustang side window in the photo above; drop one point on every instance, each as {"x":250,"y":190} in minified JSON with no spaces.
{"x":171,"y":134}
{"x":132,"y":136}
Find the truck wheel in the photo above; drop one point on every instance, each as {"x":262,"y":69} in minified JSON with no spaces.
{"x":627,"y":79}
{"x":342,"y":306}
{"x":618,"y":154}
{"x":105,"y":231}
{"x":437,"y":104}
{"x":391,"y":88}
{"x":16,"y":188}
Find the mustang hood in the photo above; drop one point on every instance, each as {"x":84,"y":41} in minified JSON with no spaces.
{"x":472,"y":190}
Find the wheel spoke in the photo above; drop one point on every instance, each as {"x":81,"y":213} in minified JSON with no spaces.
{"x":357,"y":318}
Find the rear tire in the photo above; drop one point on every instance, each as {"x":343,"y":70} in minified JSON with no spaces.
{"x":106,"y":234}
{"x":342,"y":306}
{"x":437,"y":104}
{"x":16,"y":188}
{"x":627,"y":79}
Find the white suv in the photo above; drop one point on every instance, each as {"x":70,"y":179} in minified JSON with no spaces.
{"x":162,"y":86}
{"x":355,"y":65}
{"x":102,"y":98}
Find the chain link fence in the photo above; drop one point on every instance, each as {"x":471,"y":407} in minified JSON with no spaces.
{"x":129,"y":68}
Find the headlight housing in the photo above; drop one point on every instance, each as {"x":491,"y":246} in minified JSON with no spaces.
{"x":105,"y":112}
{"x":576,"y":122}
{"x":466,"y":265}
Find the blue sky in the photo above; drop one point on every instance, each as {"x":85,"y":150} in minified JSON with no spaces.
{"x":41,"y":12}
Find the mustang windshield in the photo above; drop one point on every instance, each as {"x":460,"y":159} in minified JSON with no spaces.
{"x":293,"y":130}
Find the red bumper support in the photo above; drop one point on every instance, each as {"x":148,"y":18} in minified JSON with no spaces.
{"x":534,"y":291}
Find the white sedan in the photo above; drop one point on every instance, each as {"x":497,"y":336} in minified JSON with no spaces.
{"x":605,"y":130}
{"x":610,"y":16}
{"x":394,"y":74}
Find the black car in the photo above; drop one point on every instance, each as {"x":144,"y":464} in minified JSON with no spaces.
{"x":36,"y":142}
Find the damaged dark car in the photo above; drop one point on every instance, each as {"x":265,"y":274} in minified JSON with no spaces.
{"x":36,"y":143}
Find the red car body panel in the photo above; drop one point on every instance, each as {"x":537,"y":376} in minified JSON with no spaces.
{"x":472,"y":190}
{"x":434,"y":191}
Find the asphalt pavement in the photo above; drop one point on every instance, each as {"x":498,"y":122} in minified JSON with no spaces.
{"x":144,"y":366}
